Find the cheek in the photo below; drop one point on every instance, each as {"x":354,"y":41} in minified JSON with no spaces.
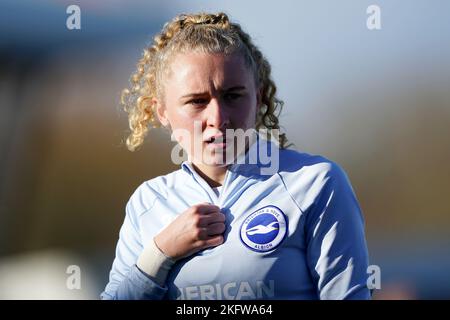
{"x":183,"y":130}
{"x":245,"y":115}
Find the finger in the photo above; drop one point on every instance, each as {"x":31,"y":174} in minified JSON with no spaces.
{"x":211,"y":242}
{"x":214,"y":217}
{"x":201,"y":234}
{"x":215,"y":229}
{"x":205,"y":208}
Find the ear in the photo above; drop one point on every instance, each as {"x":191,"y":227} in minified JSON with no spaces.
{"x":161,"y":112}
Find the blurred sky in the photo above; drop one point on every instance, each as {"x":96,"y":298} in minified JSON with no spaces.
{"x":377,"y":102}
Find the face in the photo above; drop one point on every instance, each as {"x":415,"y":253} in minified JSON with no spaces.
{"x":204,"y":95}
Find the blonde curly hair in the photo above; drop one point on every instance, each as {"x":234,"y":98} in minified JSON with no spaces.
{"x":209,"y":33}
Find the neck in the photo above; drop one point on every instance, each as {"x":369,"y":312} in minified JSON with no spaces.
{"x":214,"y":176}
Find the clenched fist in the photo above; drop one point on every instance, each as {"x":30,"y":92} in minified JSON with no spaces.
{"x":199,"y":227}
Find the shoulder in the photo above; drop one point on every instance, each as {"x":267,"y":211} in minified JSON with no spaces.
{"x":145,"y":195}
{"x":309,"y":177}
{"x":297,"y":163}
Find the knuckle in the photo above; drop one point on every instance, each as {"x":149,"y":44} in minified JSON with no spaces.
{"x":220,"y":239}
{"x":201,"y":244}
{"x":198,"y":233}
{"x":196,"y":220}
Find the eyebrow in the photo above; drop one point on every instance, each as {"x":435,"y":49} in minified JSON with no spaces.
{"x":197,"y":94}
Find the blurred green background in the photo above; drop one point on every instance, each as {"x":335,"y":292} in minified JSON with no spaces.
{"x":375,"y":101}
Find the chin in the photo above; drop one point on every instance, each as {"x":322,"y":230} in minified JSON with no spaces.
{"x":219,"y":160}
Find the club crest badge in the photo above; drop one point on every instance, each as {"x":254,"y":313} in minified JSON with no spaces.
{"x":264,"y":229}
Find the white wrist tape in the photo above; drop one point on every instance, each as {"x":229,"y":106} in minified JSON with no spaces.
{"x":155,"y":263}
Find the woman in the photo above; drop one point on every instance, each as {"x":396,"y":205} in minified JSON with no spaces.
{"x":244,"y":217}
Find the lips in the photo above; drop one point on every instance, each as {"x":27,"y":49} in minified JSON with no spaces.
{"x":218,"y":138}
{"x":218,"y":141}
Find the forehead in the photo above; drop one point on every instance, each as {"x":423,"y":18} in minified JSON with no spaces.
{"x":201,"y":71}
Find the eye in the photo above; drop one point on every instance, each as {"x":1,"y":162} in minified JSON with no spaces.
{"x":231,"y":96}
{"x":198,"y":102}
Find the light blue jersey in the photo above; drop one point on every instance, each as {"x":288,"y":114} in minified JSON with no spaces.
{"x":297,"y":233}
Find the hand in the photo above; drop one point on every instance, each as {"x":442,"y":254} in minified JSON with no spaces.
{"x":199,"y":227}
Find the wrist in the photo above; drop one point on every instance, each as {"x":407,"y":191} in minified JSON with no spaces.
{"x":155,"y":263}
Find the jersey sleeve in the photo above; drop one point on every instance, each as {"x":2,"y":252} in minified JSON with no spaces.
{"x":126,"y":280}
{"x":336,"y":247}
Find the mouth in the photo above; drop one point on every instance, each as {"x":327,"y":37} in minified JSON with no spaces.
{"x":218,"y":141}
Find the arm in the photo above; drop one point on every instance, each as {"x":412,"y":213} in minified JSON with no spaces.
{"x":336,"y":246}
{"x":140,"y":273}
{"x":128,"y":281}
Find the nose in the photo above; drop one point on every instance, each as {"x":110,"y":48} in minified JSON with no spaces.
{"x":217,"y":115}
